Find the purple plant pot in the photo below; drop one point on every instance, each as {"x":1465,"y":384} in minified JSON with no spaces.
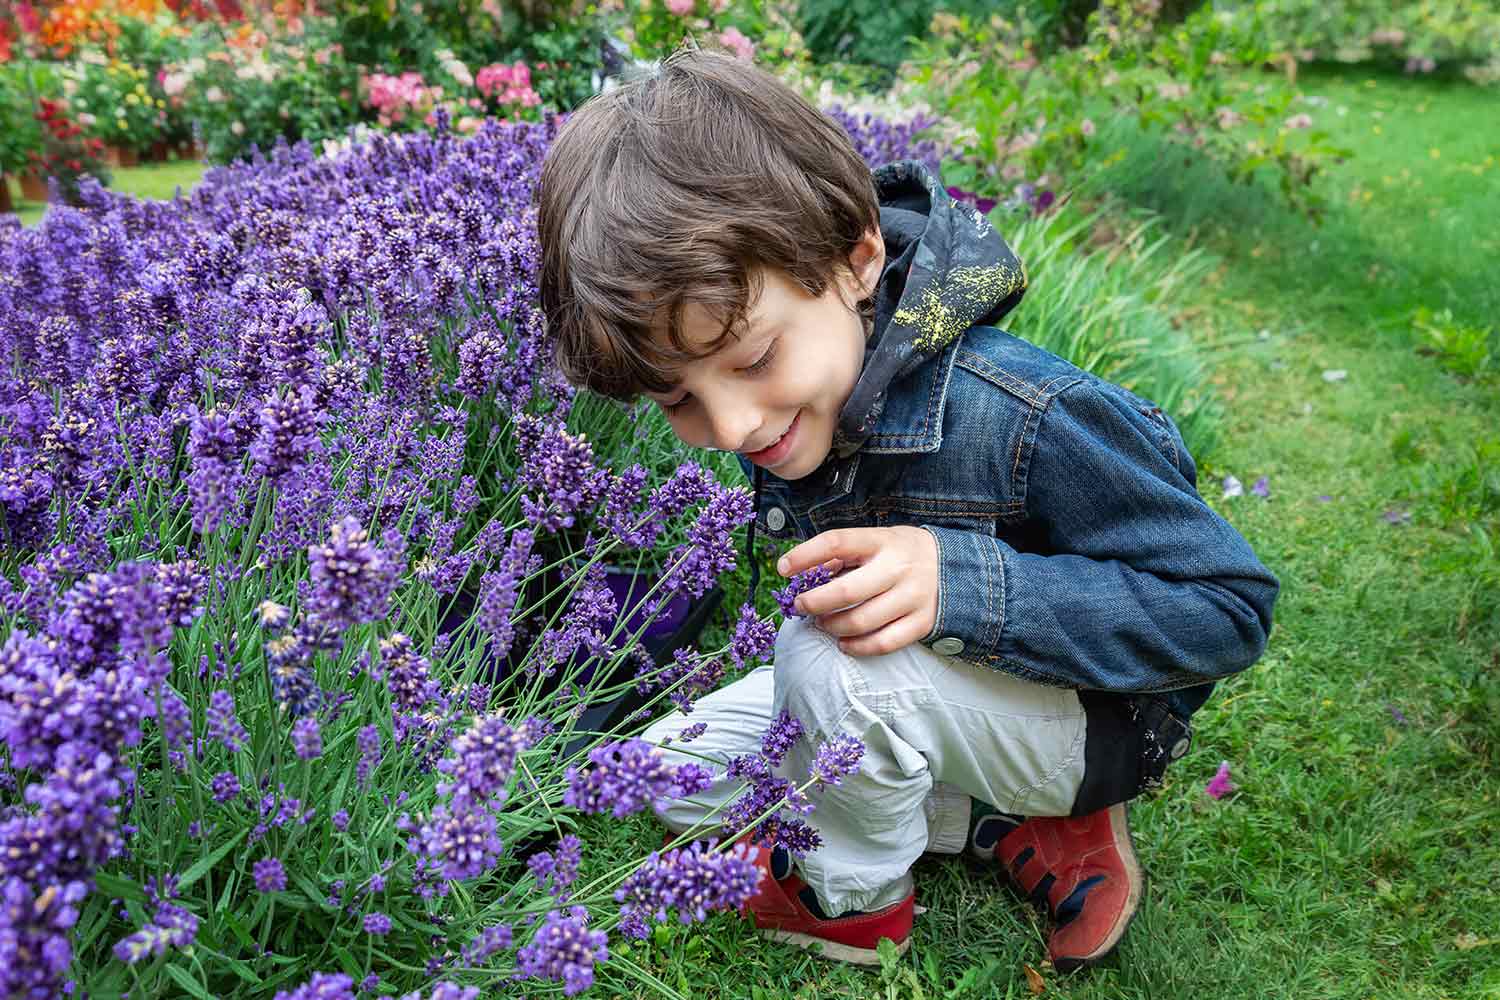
{"x":629,"y":587}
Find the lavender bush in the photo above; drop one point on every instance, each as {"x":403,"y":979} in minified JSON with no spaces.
{"x":256,"y":445}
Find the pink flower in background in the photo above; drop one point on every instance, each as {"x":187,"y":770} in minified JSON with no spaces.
{"x":508,"y":84}
{"x":1086,"y":126}
{"x":682,"y":8}
{"x":1303,"y":120}
{"x":1220,"y":785}
{"x":735,"y":40}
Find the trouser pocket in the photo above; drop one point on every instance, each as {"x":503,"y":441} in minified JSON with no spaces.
{"x":1130,"y":741}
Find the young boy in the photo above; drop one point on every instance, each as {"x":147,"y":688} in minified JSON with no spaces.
{"x":1033,"y":598}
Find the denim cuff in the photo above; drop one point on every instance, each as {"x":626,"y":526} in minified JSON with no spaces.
{"x":971,"y":594}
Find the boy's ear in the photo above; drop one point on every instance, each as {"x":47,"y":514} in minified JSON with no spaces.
{"x":866,"y":262}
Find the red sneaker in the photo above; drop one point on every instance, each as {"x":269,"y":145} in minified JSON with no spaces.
{"x":780,"y":913}
{"x":1084,"y":868}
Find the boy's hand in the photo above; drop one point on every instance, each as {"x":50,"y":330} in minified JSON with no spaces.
{"x":889,"y":598}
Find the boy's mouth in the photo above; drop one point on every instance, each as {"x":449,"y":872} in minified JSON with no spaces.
{"x":777,"y":450}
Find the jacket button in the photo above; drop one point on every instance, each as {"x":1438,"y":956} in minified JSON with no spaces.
{"x":776,"y":519}
{"x":948,"y":646}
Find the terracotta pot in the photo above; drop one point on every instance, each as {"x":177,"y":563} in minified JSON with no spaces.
{"x":5,"y":203}
{"x":33,"y":187}
{"x":159,"y":150}
{"x":120,"y":156}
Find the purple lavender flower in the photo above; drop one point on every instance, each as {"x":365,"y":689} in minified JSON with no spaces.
{"x":226,"y":786}
{"x":406,"y":673}
{"x":456,"y":845}
{"x":753,"y":638}
{"x":269,"y":874}
{"x":798,"y":585}
{"x":558,"y":872}
{"x":1262,"y":487}
{"x":484,"y":944}
{"x":837,"y":758}
{"x":215,"y":481}
{"x":322,"y":986}
{"x":565,"y":950}
{"x":693,"y":880}
{"x":368,"y":743}
{"x":289,"y":429}
{"x":377,"y":923}
{"x":498,"y":591}
{"x":626,"y":777}
{"x":708,"y":552}
{"x":481,"y":762}
{"x":36,"y":922}
{"x":785,"y":731}
{"x":351,"y":579}
{"x":307,"y":738}
{"x":340,"y":820}
{"x":560,"y":467}
{"x":223,"y":725}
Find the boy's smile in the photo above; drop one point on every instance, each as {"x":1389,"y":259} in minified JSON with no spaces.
{"x":774,"y":394}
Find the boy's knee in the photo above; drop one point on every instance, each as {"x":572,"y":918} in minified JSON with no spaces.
{"x":810,"y":676}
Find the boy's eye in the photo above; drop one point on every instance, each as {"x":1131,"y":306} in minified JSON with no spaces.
{"x":760,"y":365}
{"x":765,"y":360}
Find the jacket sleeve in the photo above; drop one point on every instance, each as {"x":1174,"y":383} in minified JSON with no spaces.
{"x":1146,"y":589}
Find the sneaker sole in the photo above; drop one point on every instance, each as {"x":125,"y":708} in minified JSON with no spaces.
{"x":1126,"y":847}
{"x":833,"y":949}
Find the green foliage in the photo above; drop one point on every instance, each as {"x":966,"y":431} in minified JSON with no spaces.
{"x":1363,"y":30}
{"x":113,"y":101}
{"x":1018,"y":113}
{"x":875,"y":33}
{"x":299,"y":87}
{"x":20,"y":132}
{"x":1467,"y":351}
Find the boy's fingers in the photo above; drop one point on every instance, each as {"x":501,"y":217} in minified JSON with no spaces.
{"x":852,"y":588}
{"x":866,"y":617}
{"x":850,"y":545}
{"x":897,"y":635}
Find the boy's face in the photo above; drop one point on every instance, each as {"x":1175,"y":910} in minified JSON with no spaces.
{"x":774,"y":394}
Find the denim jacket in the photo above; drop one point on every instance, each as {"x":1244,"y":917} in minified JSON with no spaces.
{"x":1073,"y":547}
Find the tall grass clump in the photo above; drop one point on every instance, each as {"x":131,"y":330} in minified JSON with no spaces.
{"x":302,"y":550}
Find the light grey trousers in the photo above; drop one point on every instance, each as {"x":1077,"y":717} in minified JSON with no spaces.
{"x":936,"y":730}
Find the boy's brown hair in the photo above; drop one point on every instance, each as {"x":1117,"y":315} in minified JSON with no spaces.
{"x":679,"y":187}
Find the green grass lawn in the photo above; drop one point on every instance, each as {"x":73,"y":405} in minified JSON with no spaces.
{"x":150,"y":180}
{"x":1360,"y":855}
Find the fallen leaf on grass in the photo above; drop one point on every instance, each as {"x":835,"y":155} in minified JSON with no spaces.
{"x":1034,"y":981}
{"x":1397,"y":515}
{"x":1468,"y":941}
{"x":1335,"y":375}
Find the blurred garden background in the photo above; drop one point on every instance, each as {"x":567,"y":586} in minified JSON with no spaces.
{"x":329,"y":610}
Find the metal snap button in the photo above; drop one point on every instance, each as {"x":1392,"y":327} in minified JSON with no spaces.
{"x":948,"y":646}
{"x":776,"y":519}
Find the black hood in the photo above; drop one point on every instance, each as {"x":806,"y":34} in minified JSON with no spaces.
{"x":946,"y":270}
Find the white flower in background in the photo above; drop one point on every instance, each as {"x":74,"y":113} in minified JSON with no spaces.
{"x":85,"y":119}
{"x":213,"y":94}
{"x":1303,"y":120}
{"x":237,"y":127}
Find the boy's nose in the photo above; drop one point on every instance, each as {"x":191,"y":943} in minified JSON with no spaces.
{"x":733,"y":425}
